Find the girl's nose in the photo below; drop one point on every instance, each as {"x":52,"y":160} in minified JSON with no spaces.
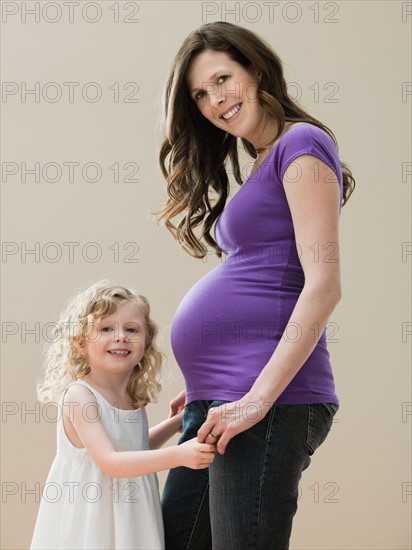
{"x":120,"y":334}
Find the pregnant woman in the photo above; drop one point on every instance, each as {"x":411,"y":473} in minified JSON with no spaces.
{"x":250,"y":336}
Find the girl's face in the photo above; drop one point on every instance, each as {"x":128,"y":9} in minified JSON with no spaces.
{"x":116,"y":343}
{"x":226,"y":94}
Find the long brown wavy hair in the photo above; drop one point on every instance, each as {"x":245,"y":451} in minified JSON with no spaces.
{"x":197,"y":180}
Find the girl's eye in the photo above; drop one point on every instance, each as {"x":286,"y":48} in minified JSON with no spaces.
{"x":133,"y":329}
{"x":106,"y":329}
{"x":225,"y":77}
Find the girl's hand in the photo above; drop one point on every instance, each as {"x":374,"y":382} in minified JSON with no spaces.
{"x":229,"y":420}
{"x":179,"y":419}
{"x":196,"y":455}
{"x":177,"y":404}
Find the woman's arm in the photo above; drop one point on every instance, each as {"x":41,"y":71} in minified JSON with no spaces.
{"x":314,"y":206}
{"x":126,"y":463}
{"x":306,"y":324}
{"x":162,"y":432}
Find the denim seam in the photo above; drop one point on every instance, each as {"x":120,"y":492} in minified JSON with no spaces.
{"x":272,"y":413}
{"x":204,"y":408}
{"x":331,"y":407}
{"x":197,"y":516}
{"x":262,"y":477}
{"x":309,"y":432}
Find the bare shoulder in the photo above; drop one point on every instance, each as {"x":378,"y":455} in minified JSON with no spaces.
{"x":77,"y":393}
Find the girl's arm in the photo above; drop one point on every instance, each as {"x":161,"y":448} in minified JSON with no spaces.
{"x":314,"y":206}
{"x":177,"y":404}
{"x":162,"y":432}
{"x":80,"y":407}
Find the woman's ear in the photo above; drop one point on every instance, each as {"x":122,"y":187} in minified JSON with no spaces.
{"x":258,"y":75}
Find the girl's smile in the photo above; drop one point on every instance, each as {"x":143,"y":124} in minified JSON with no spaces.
{"x":119,"y":352}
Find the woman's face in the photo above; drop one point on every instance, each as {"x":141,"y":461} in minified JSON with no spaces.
{"x":226,"y":94}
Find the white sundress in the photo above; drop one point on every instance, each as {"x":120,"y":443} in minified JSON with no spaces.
{"x":83,"y":508}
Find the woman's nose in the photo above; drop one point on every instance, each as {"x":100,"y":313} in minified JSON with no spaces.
{"x":216,"y":96}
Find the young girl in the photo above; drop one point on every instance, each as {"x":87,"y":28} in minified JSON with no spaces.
{"x":102,"y":491}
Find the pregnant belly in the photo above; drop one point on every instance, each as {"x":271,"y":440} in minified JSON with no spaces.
{"x":230,"y":322}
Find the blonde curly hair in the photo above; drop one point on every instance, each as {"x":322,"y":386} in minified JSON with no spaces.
{"x":64,"y":360}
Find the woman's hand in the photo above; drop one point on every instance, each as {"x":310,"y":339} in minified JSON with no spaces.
{"x":177,"y":404}
{"x":230,"y":419}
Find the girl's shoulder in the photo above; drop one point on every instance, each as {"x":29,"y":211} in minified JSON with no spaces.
{"x":82,"y":391}
{"x":81,"y":394}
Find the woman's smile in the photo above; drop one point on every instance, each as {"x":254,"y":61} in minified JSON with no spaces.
{"x":226,"y":94}
{"x":231,"y":113}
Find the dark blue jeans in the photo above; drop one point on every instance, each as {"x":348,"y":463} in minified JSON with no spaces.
{"x":247,"y":498}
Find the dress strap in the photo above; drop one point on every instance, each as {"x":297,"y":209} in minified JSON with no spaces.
{"x":83,"y":383}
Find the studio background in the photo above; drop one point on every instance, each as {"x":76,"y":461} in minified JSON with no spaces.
{"x":349,"y":63}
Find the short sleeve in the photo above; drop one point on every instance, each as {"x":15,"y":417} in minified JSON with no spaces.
{"x":307,"y":139}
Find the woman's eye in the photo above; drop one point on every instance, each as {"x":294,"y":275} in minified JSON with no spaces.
{"x":133,"y":329}
{"x":201,"y":93}
{"x":106,"y":329}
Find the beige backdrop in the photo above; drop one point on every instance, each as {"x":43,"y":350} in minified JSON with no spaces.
{"x":349,"y":63}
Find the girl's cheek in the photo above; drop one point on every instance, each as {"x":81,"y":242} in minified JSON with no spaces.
{"x":104,"y":337}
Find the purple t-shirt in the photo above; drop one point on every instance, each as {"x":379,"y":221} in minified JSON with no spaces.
{"x":228,"y":325}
